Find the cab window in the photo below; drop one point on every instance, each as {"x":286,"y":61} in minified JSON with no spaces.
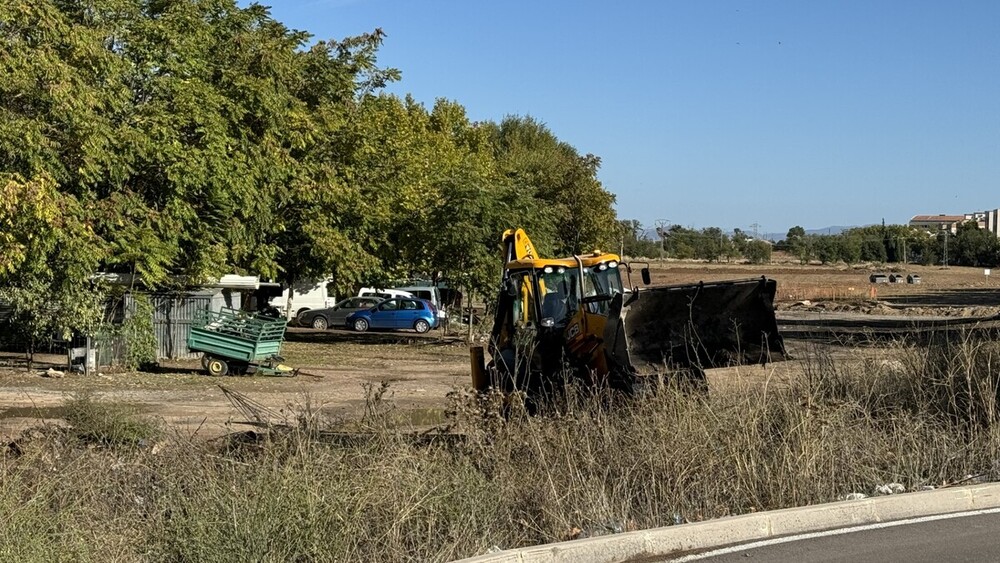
{"x":559,"y":290}
{"x":523,"y":306}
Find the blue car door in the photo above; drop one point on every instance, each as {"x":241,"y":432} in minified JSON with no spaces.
{"x":408,"y":313}
{"x":384,"y":316}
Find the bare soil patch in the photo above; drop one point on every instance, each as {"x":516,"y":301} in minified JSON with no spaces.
{"x":421,"y":372}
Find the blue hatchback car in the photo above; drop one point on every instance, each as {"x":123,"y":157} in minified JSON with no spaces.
{"x":396,"y":313}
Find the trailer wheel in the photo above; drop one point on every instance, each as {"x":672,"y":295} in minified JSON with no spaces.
{"x":217,"y":367}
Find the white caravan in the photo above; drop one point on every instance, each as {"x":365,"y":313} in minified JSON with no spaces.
{"x":305,"y":295}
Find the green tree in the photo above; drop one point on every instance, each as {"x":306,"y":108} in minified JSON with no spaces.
{"x":850,"y":248}
{"x":758,"y":252}
{"x":712,"y":244}
{"x":681,"y":242}
{"x":635,"y":242}
{"x":925,"y":249}
{"x":799,"y":244}
{"x":185,"y":139}
{"x":825,"y":248}
{"x":48,"y":253}
{"x":581,"y":212}
{"x":873,"y":250}
{"x":973,"y":246}
{"x":740,"y":241}
{"x":795,"y":232}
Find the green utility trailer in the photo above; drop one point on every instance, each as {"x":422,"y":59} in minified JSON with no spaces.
{"x":238,"y":342}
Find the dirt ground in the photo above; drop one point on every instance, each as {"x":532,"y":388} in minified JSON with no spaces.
{"x":339,"y":367}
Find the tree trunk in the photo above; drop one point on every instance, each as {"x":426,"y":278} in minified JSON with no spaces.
{"x":31,"y":352}
{"x":469,"y":337}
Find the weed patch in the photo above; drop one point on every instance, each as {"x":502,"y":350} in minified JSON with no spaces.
{"x":372,"y":489}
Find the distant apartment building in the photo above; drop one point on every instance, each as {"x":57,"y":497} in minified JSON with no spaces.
{"x":989,"y":220}
{"x":938,"y":222}
{"x":992,"y":223}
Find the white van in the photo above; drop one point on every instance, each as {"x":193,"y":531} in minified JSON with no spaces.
{"x":383,"y":293}
{"x":305,"y":295}
{"x":428,"y":293}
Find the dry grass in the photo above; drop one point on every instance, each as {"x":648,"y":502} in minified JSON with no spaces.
{"x":917,"y":416}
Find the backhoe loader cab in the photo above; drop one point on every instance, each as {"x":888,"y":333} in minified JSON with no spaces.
{"x":549,"y":317}
{"x":552,"y":291}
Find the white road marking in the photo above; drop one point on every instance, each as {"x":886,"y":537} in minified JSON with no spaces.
{"x":827,"y":533}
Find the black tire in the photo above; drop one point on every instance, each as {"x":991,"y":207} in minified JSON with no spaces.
{"x":421,"y":326}
{"x":360,"y":325}
{"x":204,"y":361}
{"x":320,"y":323}
{"x":217,"y":367}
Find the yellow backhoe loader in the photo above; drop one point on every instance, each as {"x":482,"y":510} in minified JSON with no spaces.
{"x":577,"y":316}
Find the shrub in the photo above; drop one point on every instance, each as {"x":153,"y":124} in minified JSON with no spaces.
{"x":109,"y":422}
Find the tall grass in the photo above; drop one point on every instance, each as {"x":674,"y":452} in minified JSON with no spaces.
{"x":590,"y":465}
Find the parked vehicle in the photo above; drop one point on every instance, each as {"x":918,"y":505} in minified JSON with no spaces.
{"x":383,"y":293}
{"x":397,"y":313}
{"x":427,"y":293}
{"x":237,"y":342}
{"x":335,"y":316}
{"x":913,"y":278}
{"x":305,"y":295}
{"x":878,"y":278}
{"x":579,"y":312}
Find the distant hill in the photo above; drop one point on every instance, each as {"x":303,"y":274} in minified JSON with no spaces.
{"x":833,"y":230}
{"x":650,"y":233}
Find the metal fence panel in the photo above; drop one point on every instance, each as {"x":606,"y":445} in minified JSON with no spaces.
{"x":173,"y":314}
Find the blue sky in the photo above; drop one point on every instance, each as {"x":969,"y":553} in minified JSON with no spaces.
{"x":721,"y":113}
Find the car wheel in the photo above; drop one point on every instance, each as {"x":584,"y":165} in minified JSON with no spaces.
{"x":421,"y":326}
{"x":320,"y":323}
{"x":360,"y":325}
{"x":217,"y":367}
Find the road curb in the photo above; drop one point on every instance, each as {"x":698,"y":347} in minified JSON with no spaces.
{"x":698,"y":536}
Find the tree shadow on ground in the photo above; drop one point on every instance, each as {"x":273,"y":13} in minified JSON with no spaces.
{"x":947,"y":298}
{"x":18,"y":360}
{"x":311,"y":336}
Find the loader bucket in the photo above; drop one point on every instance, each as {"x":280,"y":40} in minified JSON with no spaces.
{"x":698,"y":326}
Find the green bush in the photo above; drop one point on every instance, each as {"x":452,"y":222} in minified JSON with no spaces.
{"x":109,"y":422}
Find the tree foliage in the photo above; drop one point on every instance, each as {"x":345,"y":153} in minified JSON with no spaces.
{"x":635,"y":242}
{"x":179,"y":140}
{"x":973,"y":246}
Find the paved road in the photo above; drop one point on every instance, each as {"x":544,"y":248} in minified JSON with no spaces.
{"x":970,"y":536}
